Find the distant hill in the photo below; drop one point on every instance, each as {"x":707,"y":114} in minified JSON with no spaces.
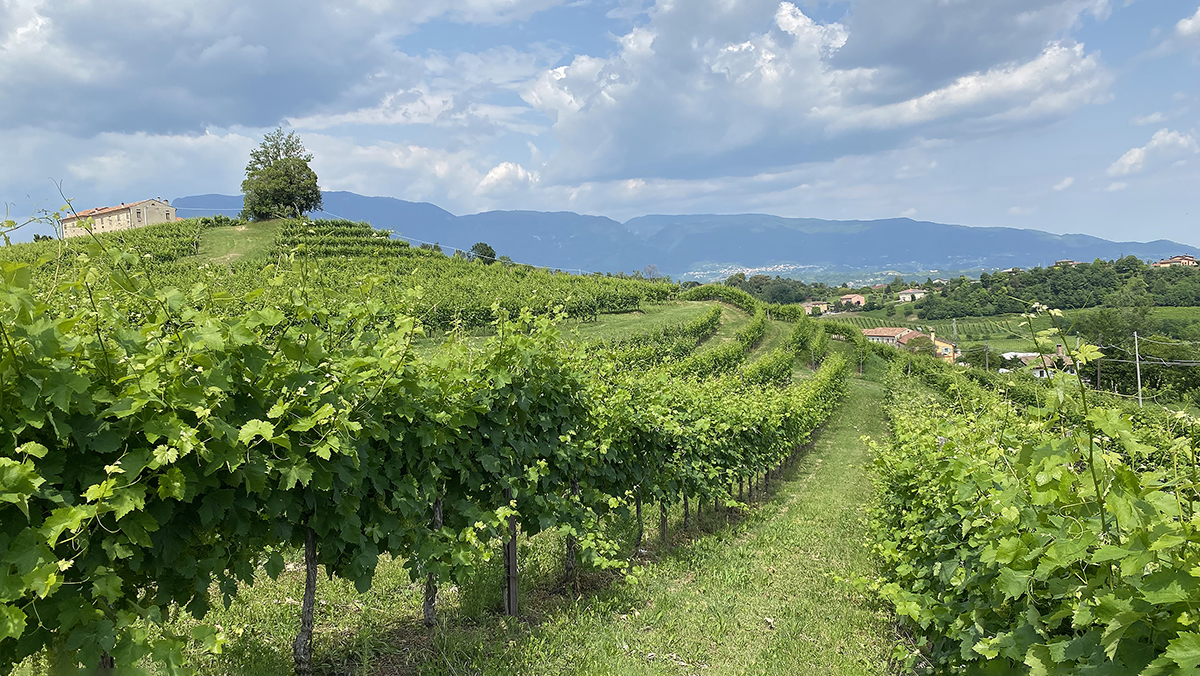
{"x":713,"y":246}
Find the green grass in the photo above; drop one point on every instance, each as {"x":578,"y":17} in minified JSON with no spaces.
{"x":651,"y":318}
{"x":239,"y":242}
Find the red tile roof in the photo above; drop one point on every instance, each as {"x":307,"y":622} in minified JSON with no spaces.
{"x":886,"y":332}
{"x":910,"y":336}
{"x":100,"y":211}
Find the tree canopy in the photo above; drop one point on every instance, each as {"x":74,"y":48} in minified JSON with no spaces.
{"x":279,"y":181}
{"x":483,"y":252}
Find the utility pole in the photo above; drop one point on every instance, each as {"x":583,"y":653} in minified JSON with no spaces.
{"x":1137,"y":359}
{"x":1100,"y":339}
{"x":987,"y":365}
{"x":954,"y":323}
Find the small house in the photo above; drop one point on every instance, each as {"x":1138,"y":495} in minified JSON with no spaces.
{"x":1184,"y":260}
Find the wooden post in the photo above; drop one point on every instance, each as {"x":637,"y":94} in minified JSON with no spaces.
{"x":510,"y":563}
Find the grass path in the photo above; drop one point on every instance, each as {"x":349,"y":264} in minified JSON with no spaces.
{"x":756,"y":598}
{"x":237,"y":243}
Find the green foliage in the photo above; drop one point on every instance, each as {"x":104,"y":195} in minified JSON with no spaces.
{"x":279,"y":181}
{"x":483,"y":252}
{"x":161,"y":443}
{"x":1026,"y":530}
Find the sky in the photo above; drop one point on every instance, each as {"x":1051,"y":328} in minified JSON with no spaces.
{"x":1071,"y":116}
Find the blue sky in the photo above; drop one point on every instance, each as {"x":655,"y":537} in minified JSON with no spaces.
{"x":1061,"y":115}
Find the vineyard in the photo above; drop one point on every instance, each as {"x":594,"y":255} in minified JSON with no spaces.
{"x":229,"y":468}
{"x":1037,"y":529}
{"x":164,"y":443}
{"x":968,"y":329}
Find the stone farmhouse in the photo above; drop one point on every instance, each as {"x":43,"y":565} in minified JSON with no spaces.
{"x":909,"y":295}
{"x":853,"y":299}
{"x":818,"y":305}
{"x":123,"y":217}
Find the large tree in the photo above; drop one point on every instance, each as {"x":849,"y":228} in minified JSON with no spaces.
{"x":279,"y":183}
{"x":483,"y":252}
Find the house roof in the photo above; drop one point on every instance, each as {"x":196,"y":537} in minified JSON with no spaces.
{"x":913,"y":291}
{"x":906,"y":338}
{"x":852,"y":295}
{"x":100,"y":211}
{"x":811,"y":303}
{"x":886,"y":331}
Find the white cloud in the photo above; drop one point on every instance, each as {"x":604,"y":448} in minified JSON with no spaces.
{"x":1190,"y":26}
{"x":1152,"y":118}
{"x":762,"y":98}
{"x":1064,"y":184}
{"x":190,"y":64}
{"x":1060,"y":80}
{"x":1021,"y":211}
{"x":908,"y":213}
{"x":506,"y":177}
{"x":1164,"y":145}
{"x":1116,"y":186}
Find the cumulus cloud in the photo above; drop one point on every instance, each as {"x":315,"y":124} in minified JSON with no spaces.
{"x":1116,"y":186}
{"x":186,"y":65}
{"x":1190,"y":26}
{"x":1164,"y":145}
{"x":1059,"y":80}
{"x":1064,"y":184}
{"x":700,"y":86}
{"x":1021,"y":211}
{"x":505,"y":177}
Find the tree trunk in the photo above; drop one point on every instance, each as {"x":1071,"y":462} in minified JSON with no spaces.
{"x":741,"y":487}
{"x":108,"y":664}
{"x":430,"y":580}
{"x":641,"y":524}
{"x":302,"y":647}
{"x":510,"y":563}
{"x":685,"y":511}
{"x":662,"y":520}
{"x":570,"y":565}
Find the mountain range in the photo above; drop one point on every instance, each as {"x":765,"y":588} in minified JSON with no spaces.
{"x":710,"y":246}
